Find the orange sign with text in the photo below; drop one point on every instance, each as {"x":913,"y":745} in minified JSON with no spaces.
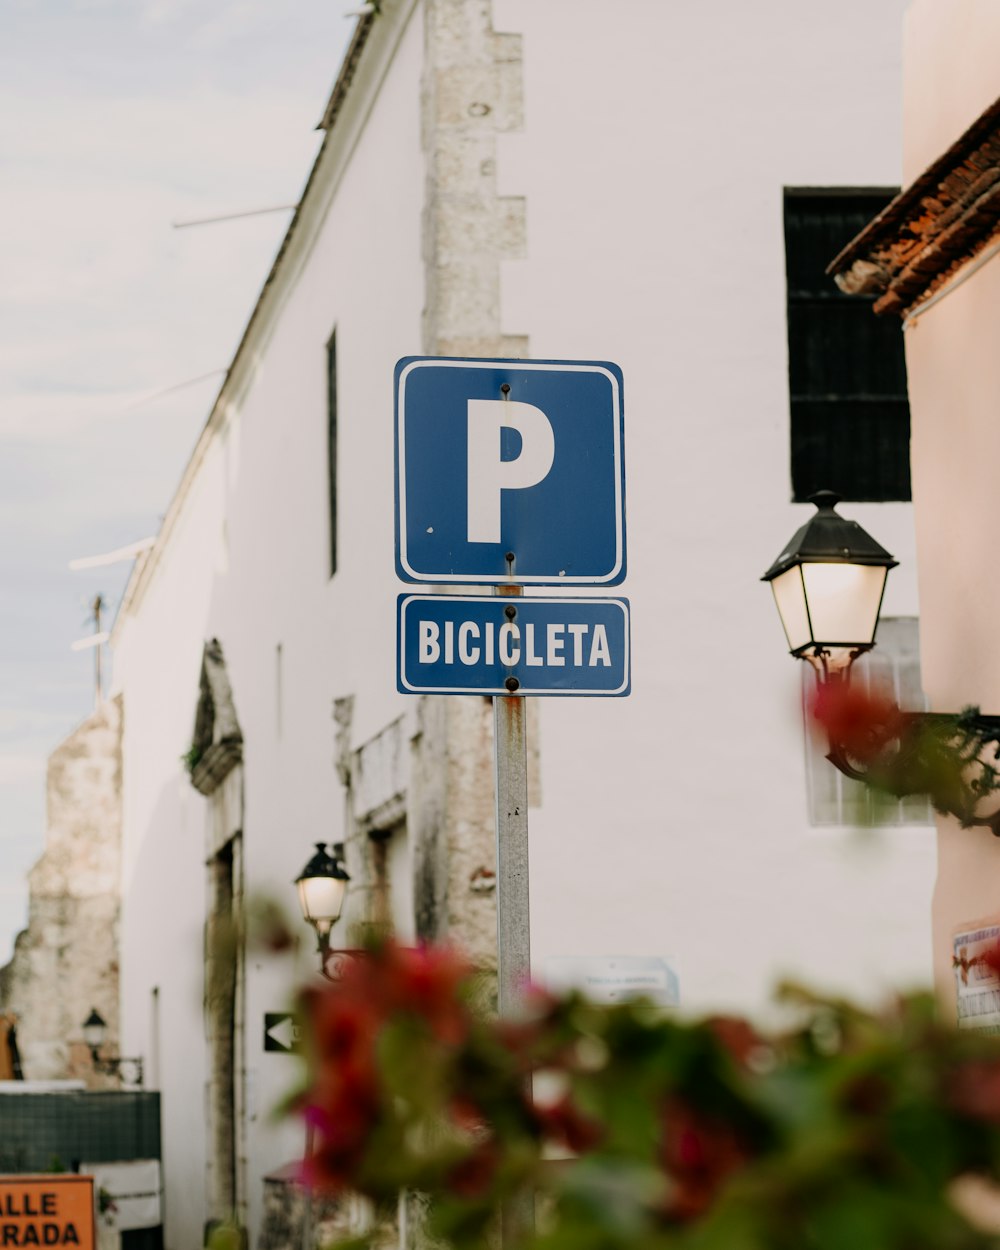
{"x":54,"y":1210}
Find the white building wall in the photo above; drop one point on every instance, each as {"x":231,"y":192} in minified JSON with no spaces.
{"x":163,"y":850}
{"x":658,"y":140}
{"x":247,"y":561}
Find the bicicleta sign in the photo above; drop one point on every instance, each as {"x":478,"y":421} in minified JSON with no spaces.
{"x":455,"y":644}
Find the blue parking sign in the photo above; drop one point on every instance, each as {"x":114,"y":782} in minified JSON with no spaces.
{"x":509,"y":470}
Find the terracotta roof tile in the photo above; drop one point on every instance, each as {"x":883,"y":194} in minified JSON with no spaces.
{"x":943,"y":219}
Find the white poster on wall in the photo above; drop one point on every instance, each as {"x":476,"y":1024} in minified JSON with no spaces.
{"x":135,"y":1187}
{"x":614,"y":978}
{"x":977,"y":984}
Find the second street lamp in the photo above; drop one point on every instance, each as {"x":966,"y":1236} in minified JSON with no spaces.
{"x":95,"y":1031}
{"x":322,"y":884}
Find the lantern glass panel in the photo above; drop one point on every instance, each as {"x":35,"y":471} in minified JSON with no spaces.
{"x":321,"y":898}
{"x":93,"y":1035}
{"x":844,"y":601}
{"x":789,"y":595}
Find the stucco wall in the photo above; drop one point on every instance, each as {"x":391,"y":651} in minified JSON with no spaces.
{"x":658,"y":139}
{"x":954,"y":369}
{"x":950,"y":75}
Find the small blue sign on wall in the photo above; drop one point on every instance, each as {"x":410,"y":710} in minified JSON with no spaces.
{"x":476,"y":644}
{"x":509,"y":470}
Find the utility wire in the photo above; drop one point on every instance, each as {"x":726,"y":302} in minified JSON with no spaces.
{"x":251,"y":212}
{"x":169,"y":390}
{"x":112,"y":557}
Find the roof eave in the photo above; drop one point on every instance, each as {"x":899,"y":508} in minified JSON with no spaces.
{"x":942,"y":220}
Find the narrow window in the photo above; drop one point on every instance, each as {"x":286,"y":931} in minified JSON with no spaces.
{"x":221,"y":979}
{"x":850,"y":418}
{"x":279,"y":691}
{"x":892,"y":669}
{"x":331,"y":443}
{"x":153,"y":1077}
{"x":392,"y":874}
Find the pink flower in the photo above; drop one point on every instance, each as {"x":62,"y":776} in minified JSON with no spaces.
{"x":860,"y":722}
{"x":699,"y":1155}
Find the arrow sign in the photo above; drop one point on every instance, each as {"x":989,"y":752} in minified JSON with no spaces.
{"x":282,"y":1032}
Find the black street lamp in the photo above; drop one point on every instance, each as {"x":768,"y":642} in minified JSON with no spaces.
{"x":828,"y":585}
{"x":95,"y":1031}
{"x":322,"y":885}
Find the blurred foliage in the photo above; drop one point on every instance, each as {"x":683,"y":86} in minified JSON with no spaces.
{"x":899,"y":754}
{"x":192,"y":757}
{"x":847,"y":1131}
{"x":225,"y":1235}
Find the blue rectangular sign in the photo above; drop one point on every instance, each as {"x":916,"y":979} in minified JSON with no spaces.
{"x":499,"y":645}
{"x":509,"y":471}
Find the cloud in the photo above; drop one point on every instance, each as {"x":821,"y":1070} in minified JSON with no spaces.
{"x":99,"y":290}
{"x":43,"y":416}
{"x":15,"y":769}
{"x":31,"y":722}
{"x":218,"y":25}
{"x":13,"y":890}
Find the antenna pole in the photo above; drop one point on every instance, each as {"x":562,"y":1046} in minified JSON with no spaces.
{"x":97,"y":605}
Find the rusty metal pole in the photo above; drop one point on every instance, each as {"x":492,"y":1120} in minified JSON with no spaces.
{"x":511,"y":759}
{"x":307,"y":1192}
{"x":510,"y":745}
{"x":513,"y":922}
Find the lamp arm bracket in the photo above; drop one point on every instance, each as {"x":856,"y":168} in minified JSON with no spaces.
{"x":128,"y":1070}
{"x":838,"y":757}
{"x":934,"y":753}
{"x":336,"y":962}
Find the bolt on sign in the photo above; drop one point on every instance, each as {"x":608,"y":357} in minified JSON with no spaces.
{"x":52,"y":1210}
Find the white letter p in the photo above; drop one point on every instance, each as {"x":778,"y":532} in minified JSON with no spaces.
{"x":489,"y":474}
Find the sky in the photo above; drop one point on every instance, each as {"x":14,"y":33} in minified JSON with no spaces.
{"x":119,"y":118}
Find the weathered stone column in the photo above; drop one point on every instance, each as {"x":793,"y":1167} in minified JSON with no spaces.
{"x":472,"y":92}
{"x":66,"y":962}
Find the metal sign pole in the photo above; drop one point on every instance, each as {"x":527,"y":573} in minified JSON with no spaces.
{"x":510,"y":739}
{"x":513,"y":934}
{"x":511,"y":785}
{"x":307,"y":1193}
